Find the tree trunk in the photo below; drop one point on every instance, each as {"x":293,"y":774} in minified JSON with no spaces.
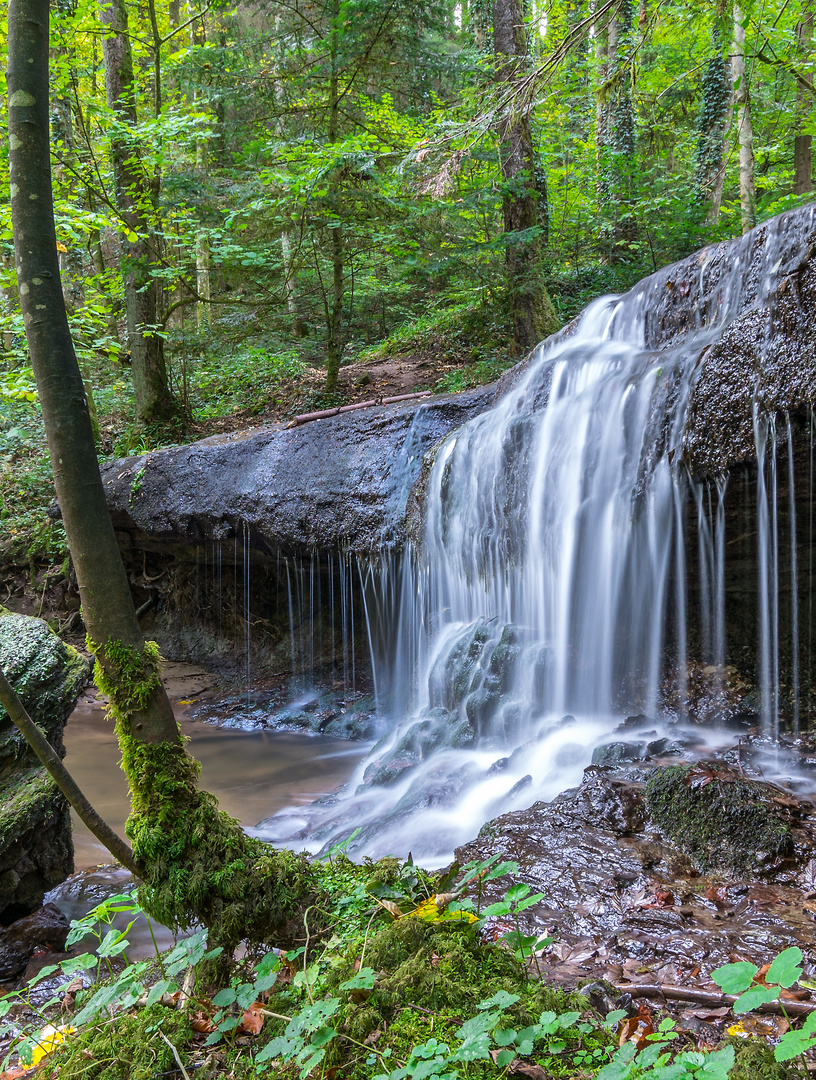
{"x":745,"y":130}
{"x":135,"y":200}
{"x":532,"y":312}
{"x":714,"y":120}
{"x":334,"y":345}
{"x":197,"y":863}
{"x":803,"y":144}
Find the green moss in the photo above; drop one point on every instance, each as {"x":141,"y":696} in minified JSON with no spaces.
{"x":198,"y":865}
{"x":130,"y":1048}
{"x":723,"y":824}
{"x":755,"y":1061}
{"x":27,"y":798}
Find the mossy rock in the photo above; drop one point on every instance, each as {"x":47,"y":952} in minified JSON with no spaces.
{"x":48,"y":676}
{"x":36,"y":847}
{"x":723,"y":823}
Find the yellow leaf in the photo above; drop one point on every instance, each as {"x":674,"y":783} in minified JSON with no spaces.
{"x":393,"y":910}
{"x":61,"y":247}
{"x":48,"y":1040}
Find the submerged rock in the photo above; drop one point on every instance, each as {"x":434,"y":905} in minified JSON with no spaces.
{"x":36,"y":848}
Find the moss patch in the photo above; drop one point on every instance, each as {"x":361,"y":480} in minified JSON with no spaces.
{"x":198,"y":864}
{"x":755,"y":1061}
{"x":727,"y":824}
{"x":130,"y":1048}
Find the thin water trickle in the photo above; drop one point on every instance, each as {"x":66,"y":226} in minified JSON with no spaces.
{"x":548,"y":600}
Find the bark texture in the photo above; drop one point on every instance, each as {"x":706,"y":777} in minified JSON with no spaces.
{"x":135,"y":201}
{"x":531,"y":309}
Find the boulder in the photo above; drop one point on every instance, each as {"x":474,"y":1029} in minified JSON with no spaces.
{"x":45,"y":927}
{"x":36,"y":849}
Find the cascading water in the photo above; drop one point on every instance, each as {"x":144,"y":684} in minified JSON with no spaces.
{"x":548,"y":599}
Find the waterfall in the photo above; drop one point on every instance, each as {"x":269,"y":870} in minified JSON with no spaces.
{"x":545,"y":611}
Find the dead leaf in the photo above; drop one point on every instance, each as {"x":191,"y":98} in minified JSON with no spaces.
{"x":68,"y":1003}
{"x":201,"y":1022}
{"x":393,"y":909}
{"x":372,"y":1037}
{"x":525,"y":1068}
{"x":252,"y":1020}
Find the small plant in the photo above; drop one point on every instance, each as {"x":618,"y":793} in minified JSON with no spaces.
{"x":756,"y":987}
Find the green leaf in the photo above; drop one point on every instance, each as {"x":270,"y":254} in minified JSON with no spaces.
{"x":753,"y":998}
{"x":504,"y":1057}
{"x":786,"y":968}
{"x":363,"y":980}
{"x":500,"y":1000}
{"x":734,"y":978}
{"x":793,"y":1043}
{"x":224,"y":997}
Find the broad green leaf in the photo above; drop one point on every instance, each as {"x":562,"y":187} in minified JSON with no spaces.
{"x":786,"y":968}
{"x":734,"y":978}
{"x":753,"y":998}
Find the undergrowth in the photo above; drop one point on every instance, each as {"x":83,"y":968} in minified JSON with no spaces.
{"x":401,"y":985}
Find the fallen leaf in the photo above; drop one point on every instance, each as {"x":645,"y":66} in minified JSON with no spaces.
{"x":252,"y":1020}
{"x":372,"y":1037}
{"x":68,"y":1003}
{"x":524,"y":1068}
{"x":201,"y":1022}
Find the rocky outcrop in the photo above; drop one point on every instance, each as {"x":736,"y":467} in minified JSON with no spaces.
{"x":621,"y":897}
{"x":343,"y":481}
{"x":36,"y":849}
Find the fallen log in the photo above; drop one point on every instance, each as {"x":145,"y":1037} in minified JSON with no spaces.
{"x":708,"y":998}
{"x":306,"y":418}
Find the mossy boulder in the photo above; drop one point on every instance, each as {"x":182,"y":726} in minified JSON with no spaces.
{"x":720,"y":819}
{"x":36,"y":849}
{"x":47,"y":674}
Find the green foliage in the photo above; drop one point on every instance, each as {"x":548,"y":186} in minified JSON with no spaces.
{"x":247,"y":380}
{"x":785,"y":971}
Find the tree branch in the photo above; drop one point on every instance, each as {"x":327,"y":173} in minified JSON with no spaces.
{"x":62,"y":778}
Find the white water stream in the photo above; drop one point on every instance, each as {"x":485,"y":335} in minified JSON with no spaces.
{"x":548,"y":601}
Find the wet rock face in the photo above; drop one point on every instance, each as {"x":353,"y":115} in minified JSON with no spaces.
{"x":342,"y":481}
{"x":45,"y":927}
{"x":36,"y":849}
{"x":621,"y":897}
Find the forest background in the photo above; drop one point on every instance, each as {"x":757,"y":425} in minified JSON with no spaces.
{"x":256,"y":203}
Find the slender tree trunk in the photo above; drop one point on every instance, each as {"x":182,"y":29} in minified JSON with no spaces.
{"x":135,"y":199}
{"x":335,"y":343}
{"x":714,"y":120}
{"x":531,"y":309}
{"x":803,"y":144}
{"x":745,"y":130}
{"x":197,"y":863}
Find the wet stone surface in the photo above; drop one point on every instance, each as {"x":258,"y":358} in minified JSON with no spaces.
{"x":337,"y":713}
{"x":625,"y":904}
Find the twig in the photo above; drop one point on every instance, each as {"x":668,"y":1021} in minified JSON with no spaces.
{"x":709,"y":998}
{"x":184,"y":1072}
